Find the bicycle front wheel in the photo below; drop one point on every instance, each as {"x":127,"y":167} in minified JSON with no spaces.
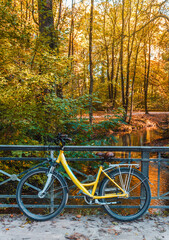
{"x":139,"y":195}
{"x":50,"y":205}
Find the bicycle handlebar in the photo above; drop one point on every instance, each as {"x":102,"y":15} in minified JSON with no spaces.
{"x":61,"y":139}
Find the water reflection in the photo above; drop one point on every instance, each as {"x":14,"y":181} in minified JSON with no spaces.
{"x":163,"y":188}
{"x":143,"y":138}
{"x":139,"y":138}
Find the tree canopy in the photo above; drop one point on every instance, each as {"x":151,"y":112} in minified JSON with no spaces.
{"x":58,"y":62}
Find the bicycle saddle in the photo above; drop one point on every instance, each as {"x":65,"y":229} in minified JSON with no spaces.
{"x":106,"y":155}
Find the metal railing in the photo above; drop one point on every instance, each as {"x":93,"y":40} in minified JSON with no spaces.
{"x":154,"y":163}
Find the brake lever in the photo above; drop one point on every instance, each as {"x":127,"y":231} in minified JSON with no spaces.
{"x":69,"y":139}
{"x":62,"y":138}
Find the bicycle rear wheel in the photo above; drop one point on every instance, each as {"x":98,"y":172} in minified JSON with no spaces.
{"x":34,"y":207}
{"x":136,"y":185}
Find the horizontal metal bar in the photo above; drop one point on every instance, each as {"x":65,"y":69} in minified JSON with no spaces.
{"x":79,"y":206}
{"x":84,"y":148}
{"x":28,"y":148}
{"x":67,"y":206}
{"x":14,"y":196}
{"x":160,"y":206}
{"x":7,"y":196}
{"x":22,"y":159}
{"x":84,"y":159}
{"x":117,"y":148}
{"x":97,"y":206}
{"x":81,"y":197}
{"x":9,"y":206}
{"x":160,"y":198}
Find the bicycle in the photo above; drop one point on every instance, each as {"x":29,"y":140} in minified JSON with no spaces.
{"x":124,"y":192}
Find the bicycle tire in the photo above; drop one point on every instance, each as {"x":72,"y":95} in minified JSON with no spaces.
{"x":133,"y":207}
{"x":41,"y":209}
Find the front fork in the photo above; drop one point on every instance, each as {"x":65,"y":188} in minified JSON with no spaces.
{"x":42,"y":193}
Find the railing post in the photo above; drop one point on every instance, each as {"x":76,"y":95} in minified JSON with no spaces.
{"x":145,"y":170}
{"x":145,"y":163}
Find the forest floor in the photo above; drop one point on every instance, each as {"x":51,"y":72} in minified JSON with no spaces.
{"x":77,"y":227}
{"x":139,"y":120}
{"x":152,"y":120}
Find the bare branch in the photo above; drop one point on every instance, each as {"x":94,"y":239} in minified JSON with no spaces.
{"x":152,"y":20}
{"x":33,"y":13}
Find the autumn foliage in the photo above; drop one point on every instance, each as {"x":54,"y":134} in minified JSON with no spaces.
{"x":58,"y":62}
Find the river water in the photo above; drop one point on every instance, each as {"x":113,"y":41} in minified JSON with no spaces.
{"x":138,"y":138}
{"x":143,"y":138}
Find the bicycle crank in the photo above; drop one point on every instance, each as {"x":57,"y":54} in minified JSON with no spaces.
{"x":106,"y":203}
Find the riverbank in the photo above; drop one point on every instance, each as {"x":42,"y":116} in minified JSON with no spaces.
{"x":156,"y":126}
{"x":153,"y":120}
{"x":140,"y":124}
{"x":139,"y":120}
{"x":77,"y":227}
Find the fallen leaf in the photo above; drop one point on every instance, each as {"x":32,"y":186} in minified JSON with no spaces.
{"x":77,"y":236}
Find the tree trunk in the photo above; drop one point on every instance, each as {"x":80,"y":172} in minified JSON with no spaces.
{"x":47,"y":31}
{"x":46,"y":23}
{"x":147,"y":74}
{"x":113,"y":60}
{"x":129,"y":53}
{"x":133,"y":81}
{"x":58,"y":24}
{"x":107,"y":53}
{"x":91,"y":64}
{"x":111,"y":87}
{"x":115,"y":85}
{"x":71,"y":47}
{"x":121,"y":55}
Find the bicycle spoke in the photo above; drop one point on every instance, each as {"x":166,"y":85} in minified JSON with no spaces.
{"x":138,"y":200}
{"x":137,"y":185}
{"x":47,"y":206}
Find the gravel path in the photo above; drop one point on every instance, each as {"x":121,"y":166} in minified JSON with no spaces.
{"x":77,"y":227}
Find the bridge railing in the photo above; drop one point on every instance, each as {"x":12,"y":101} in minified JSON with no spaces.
{"x":154,"y":162}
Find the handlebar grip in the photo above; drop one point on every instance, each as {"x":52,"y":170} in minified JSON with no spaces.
{"x":60,"y":138}
{"x":63,"y":137}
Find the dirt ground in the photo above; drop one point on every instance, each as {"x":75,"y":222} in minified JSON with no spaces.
{"x":153,"y":119}
{"x":139,"y":120}
{"x":77,"y":227}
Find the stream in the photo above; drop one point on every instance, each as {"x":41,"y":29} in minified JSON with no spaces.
{"x":138,"y":138}
{"x":143,"y":138}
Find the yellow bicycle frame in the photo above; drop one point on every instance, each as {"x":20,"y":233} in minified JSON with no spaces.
{"x":61,"y":159}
